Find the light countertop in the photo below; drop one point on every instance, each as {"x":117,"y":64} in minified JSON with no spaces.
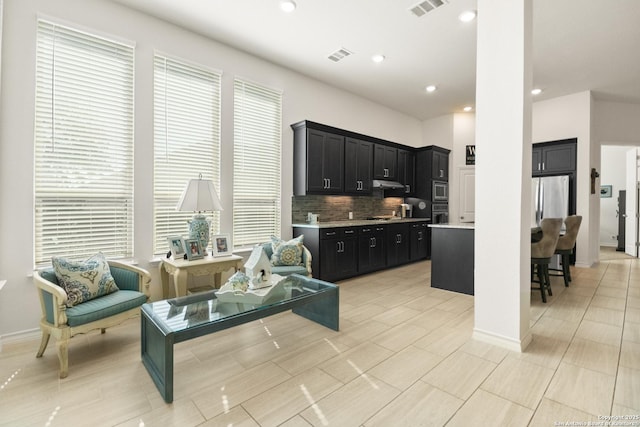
{"x":459,"y":225}
{"x":359,"y":222}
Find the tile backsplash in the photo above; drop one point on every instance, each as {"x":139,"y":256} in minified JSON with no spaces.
{"x":337,"y":208}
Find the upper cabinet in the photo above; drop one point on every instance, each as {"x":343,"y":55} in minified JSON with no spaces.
{"x":358,"y":166}
{"x":551,"y":158}
{"x":328,"y":160}
{"x":406,"y":170}
{"x":432,"y":164}
{"x":440,"y":165}
{"x":385,"y":162}
{"x":406,"y":174}
{"x":318,"y":166}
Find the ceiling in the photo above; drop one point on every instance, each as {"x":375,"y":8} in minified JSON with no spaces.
{"x":578,"y":45}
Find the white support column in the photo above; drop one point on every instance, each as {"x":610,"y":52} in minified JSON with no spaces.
{"x":503,"y":173}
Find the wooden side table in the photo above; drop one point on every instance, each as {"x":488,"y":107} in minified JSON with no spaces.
{"x":181,"y":269}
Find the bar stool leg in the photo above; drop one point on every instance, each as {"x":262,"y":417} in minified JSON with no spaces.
{"x":541,"y":281}
{"x":547,"y":279}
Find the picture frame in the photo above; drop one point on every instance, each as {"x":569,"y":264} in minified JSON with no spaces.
{"x":193,"y":248}
{"x":176,"y":246}
{"x":606,"y":191}
{"x":221,"y":245}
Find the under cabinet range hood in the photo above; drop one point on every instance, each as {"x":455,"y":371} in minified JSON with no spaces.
{"x":387,"y":185}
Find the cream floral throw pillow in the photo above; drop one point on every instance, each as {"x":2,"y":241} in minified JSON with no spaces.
{"x":286,"y":253}
{"x":84,"y":280}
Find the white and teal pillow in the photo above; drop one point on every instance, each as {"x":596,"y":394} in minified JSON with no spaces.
{"x":286,"y":252}
{"x":84,"y":280}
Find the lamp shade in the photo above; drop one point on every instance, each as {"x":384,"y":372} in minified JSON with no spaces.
{"x":198,"y":196}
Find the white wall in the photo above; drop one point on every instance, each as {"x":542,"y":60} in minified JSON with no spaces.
{"x":464,"y":133}
{"x":570,"y":117}
{"x":613,"y":173}
{"x":304,"y":98}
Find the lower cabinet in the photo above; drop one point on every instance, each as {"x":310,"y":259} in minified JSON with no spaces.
{"x":338,"y":253}
{"x":372,"y":253}
{"x":419,"y":241}
{"x":341,"y":252}
{"x":397,"y":244}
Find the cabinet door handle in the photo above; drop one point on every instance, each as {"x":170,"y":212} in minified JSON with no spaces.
{"x":539,"y":166}
{"x":407,"y":189}
{"x":330,"y":233}
{"x":441,"y":173}
{"x":375,"y":242}
{"x":349,"y":232}
{"x":542,"y":165}
{"x":419,"y":235}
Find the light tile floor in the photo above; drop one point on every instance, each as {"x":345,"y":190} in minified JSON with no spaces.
{"x":403,"y":357}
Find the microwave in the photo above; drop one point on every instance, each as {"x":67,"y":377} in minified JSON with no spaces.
{"x":440,"y":191}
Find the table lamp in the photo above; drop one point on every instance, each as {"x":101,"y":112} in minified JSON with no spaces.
{"x":199,"y":196}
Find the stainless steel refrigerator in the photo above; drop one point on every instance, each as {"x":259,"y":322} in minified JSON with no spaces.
{"x":549,"y":198}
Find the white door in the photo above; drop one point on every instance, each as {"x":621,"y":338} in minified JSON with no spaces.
{"x":467,"y":192}
{"x":631,"y":219}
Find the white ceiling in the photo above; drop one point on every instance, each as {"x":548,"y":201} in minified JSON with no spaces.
{"x":578,"y":45}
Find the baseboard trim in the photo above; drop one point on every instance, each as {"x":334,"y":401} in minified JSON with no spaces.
{"x":18,"y":337}
{"x":502,"y":341}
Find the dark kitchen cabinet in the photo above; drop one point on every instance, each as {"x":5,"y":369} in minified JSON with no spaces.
{"x":358,"y":166}
{"x":406,"y":171}
{"x":553,"y":158}
{"x":397,"y":244}
{"x":338,"y":253}
{"x":431,"y":164}
{"x":372,"y":253}
{"x":440,"y":165}
{"x":318,"y":166}
{"x":385,"y":162}
{"x":419,"y":242}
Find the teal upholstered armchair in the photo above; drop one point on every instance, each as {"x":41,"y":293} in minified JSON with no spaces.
{"x":284,"y":270}
{"x":63,"y":322}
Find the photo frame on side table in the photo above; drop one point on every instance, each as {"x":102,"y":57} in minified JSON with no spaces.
{"x":221,"y":245}
{"x":176,"y":246}
{"x":193,"y":248}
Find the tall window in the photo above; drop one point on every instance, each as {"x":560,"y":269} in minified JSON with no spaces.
{"x":256,"y":163}
{"x":186,"y":114}
{"x":83,"y":145}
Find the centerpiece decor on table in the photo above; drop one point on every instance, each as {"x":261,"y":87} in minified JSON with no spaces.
{"x":256,"y":285}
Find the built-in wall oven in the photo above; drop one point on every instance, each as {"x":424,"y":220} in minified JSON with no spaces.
{"x":440,"y":191}
{"x":439,"y":213}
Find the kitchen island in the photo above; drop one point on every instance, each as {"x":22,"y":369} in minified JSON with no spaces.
{"x":452,"y":257}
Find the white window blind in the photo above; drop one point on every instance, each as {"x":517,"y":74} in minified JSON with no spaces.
{"x":256,"y":165}
{"x":186,"y":141}
{"x":83,"y":145}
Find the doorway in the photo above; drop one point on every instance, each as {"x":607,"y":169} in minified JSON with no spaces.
{"x":619,"y":200}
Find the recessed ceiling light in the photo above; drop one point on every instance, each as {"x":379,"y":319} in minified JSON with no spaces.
{"x":288,"y":5}
{"x":377,"y":58}
{"x":467,"y":16}
{"x":536,"y":91}
{"x":467,"y":108}
{"x":431,"y":88}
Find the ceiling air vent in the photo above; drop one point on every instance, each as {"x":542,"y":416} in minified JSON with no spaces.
{"x":339,"y":54}
{"x":426,"y":6}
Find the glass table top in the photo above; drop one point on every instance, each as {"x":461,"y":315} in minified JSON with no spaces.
{"x":179,"y":314}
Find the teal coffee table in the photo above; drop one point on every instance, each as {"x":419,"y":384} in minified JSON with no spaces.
{"x":168,"y":322}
